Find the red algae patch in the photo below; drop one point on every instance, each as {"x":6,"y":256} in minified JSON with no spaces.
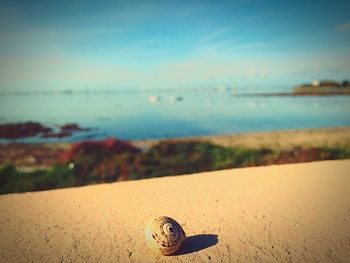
{"x":100,"y":148}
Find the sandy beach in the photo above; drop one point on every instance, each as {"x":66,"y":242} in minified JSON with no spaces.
{"x":281,"y":139}
{"x":280,"y":213}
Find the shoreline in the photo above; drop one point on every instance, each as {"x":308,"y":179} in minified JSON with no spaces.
{"x":341,"y":134}
{"x":281,"y":139}
{"x":29,"y":156}
{"x":295,"y":94}
{"x":289,"y":94}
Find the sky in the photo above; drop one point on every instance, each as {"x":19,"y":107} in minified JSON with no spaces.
{"x":55,"y":45}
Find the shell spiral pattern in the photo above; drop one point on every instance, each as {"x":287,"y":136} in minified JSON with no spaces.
{"x":165,"y":235}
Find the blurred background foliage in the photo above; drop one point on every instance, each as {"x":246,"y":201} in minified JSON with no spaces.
{"x":110,"y":160}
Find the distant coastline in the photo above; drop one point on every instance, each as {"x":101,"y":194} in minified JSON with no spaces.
{"x":324,"y":87}
{"x":315,"y":88}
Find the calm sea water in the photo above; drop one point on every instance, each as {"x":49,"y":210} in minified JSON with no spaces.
{"x":130,"y":115}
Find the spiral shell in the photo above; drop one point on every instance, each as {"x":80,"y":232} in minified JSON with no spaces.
{"x":165,"y":235}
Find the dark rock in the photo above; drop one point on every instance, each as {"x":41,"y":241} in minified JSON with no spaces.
{"x":72,"y":127}
{"x":22,"y":130}
{"x":60,"y":134}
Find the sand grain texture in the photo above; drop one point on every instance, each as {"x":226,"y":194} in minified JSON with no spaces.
{"x":285,"y":213}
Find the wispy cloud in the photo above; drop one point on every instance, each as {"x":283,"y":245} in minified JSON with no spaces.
{"x":213,"y":35}
{"x":343,"y":27}
{"x":226,"y":49}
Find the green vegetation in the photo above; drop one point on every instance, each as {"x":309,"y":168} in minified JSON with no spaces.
{"x":13,"y":181}
{"x":323,"y":87}
{"x":190,"y":157}
{"x":113,"y":160}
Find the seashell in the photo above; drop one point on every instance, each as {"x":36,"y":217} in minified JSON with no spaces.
{"x":165,"y":235}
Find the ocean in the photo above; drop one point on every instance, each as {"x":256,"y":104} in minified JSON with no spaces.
{"x":136,"y":115}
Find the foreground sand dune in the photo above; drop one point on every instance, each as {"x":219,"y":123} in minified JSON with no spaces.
{"x":286,"y":213}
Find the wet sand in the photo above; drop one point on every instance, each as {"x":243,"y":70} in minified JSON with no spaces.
{"x":280,"y":213}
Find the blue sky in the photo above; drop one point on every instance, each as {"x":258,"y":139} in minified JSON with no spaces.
{"x":161,"y":44}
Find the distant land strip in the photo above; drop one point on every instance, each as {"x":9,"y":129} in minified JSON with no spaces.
{"x":305,"y":93}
